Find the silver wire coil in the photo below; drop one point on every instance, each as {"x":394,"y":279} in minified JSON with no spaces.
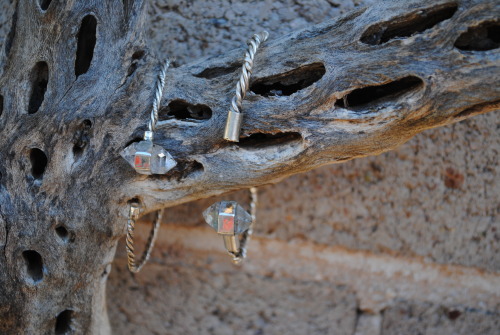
{"x":156,"y":102}
{"x":233,"y":123}
{"x":133,"y":266}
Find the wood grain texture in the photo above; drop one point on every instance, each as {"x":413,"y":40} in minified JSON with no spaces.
{"x":359,"y":85}
{"x":434,"y":84}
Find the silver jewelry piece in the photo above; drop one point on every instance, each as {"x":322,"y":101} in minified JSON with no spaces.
{"x":144,"y":156}
{"x":235,"y":224}
{"x":235,"y":114}
{"x":147,"y":158}
{"x":134,"y":211}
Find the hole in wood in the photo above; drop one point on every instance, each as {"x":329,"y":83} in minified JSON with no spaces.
{"x":39,"y":80}
{"x":183,"y":170}
{"x":44,"y":4}
{"x":77,"y":151}
{"x":218,"y":71}
{"x":408,"y":25}
{"x":63,"y":233}
{"x":483,"y":37}
{"x":138,"y":54}
{"x":290,"y":82}
{"x":131,"y":69}
{"x":34,"y":265}
{"x":82,"y":138}
{"x":85,"y":46}
{"x":38,"y":161}
{"x":374,"y":94}
{"x":1,"y":104}
{"x":191,"y":169}
{"x":134,"y":201}
{"x":63,"y":322}
{"x":183,"y":110}
{"x":263,"y":140}
{"x":453,"y":314}
{"x":134,"y":140}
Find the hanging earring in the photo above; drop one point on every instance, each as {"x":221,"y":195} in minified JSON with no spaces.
{"x":147,"y":158}
{"x":134,"y":211}
{"x":144,"y":156}
{"x":228,"y":218}
{"x":235,"y":114}
{"x":234,"y":224}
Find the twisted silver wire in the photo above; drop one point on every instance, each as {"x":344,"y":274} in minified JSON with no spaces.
{"x":246,"y":70}
{"x":133,"y":216}
{"x":135,"y":207}
{"x":245,"y":237}
{"x":160,"y":83}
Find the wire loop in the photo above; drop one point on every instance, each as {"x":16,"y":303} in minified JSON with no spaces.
{"x":134,"y":211}
{"x":246,"y":236}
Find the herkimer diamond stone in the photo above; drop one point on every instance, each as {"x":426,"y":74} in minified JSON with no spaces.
{"x":227,"y":218}
{"x":148,"y":158}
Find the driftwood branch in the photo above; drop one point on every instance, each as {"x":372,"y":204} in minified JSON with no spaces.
{"x":357,"y":86}
{"x":76,"y":84}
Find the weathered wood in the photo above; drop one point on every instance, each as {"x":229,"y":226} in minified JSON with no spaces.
{"x":394,"y":90}
{"x":357,"y":86}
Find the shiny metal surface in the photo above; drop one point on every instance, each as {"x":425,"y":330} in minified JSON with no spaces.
{"x":230,"y":243}
{"x":233,"y":126}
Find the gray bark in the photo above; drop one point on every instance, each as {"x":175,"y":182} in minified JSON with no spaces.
{"x":357,"y":86}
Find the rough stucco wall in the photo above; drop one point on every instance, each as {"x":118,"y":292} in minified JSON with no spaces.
{"x":414,"y":318}
{"x":188,"y":30}
{"x":236,"y":303}
{"x":436,"y":198}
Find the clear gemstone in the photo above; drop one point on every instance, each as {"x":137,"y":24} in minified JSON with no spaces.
{"x":148,"y":158}
{"x":227,"y":218}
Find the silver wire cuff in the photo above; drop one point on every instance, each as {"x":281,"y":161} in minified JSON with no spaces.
{"x":153,"y":117}
{"x":239,"y":256}
{"x":134,"y":211}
